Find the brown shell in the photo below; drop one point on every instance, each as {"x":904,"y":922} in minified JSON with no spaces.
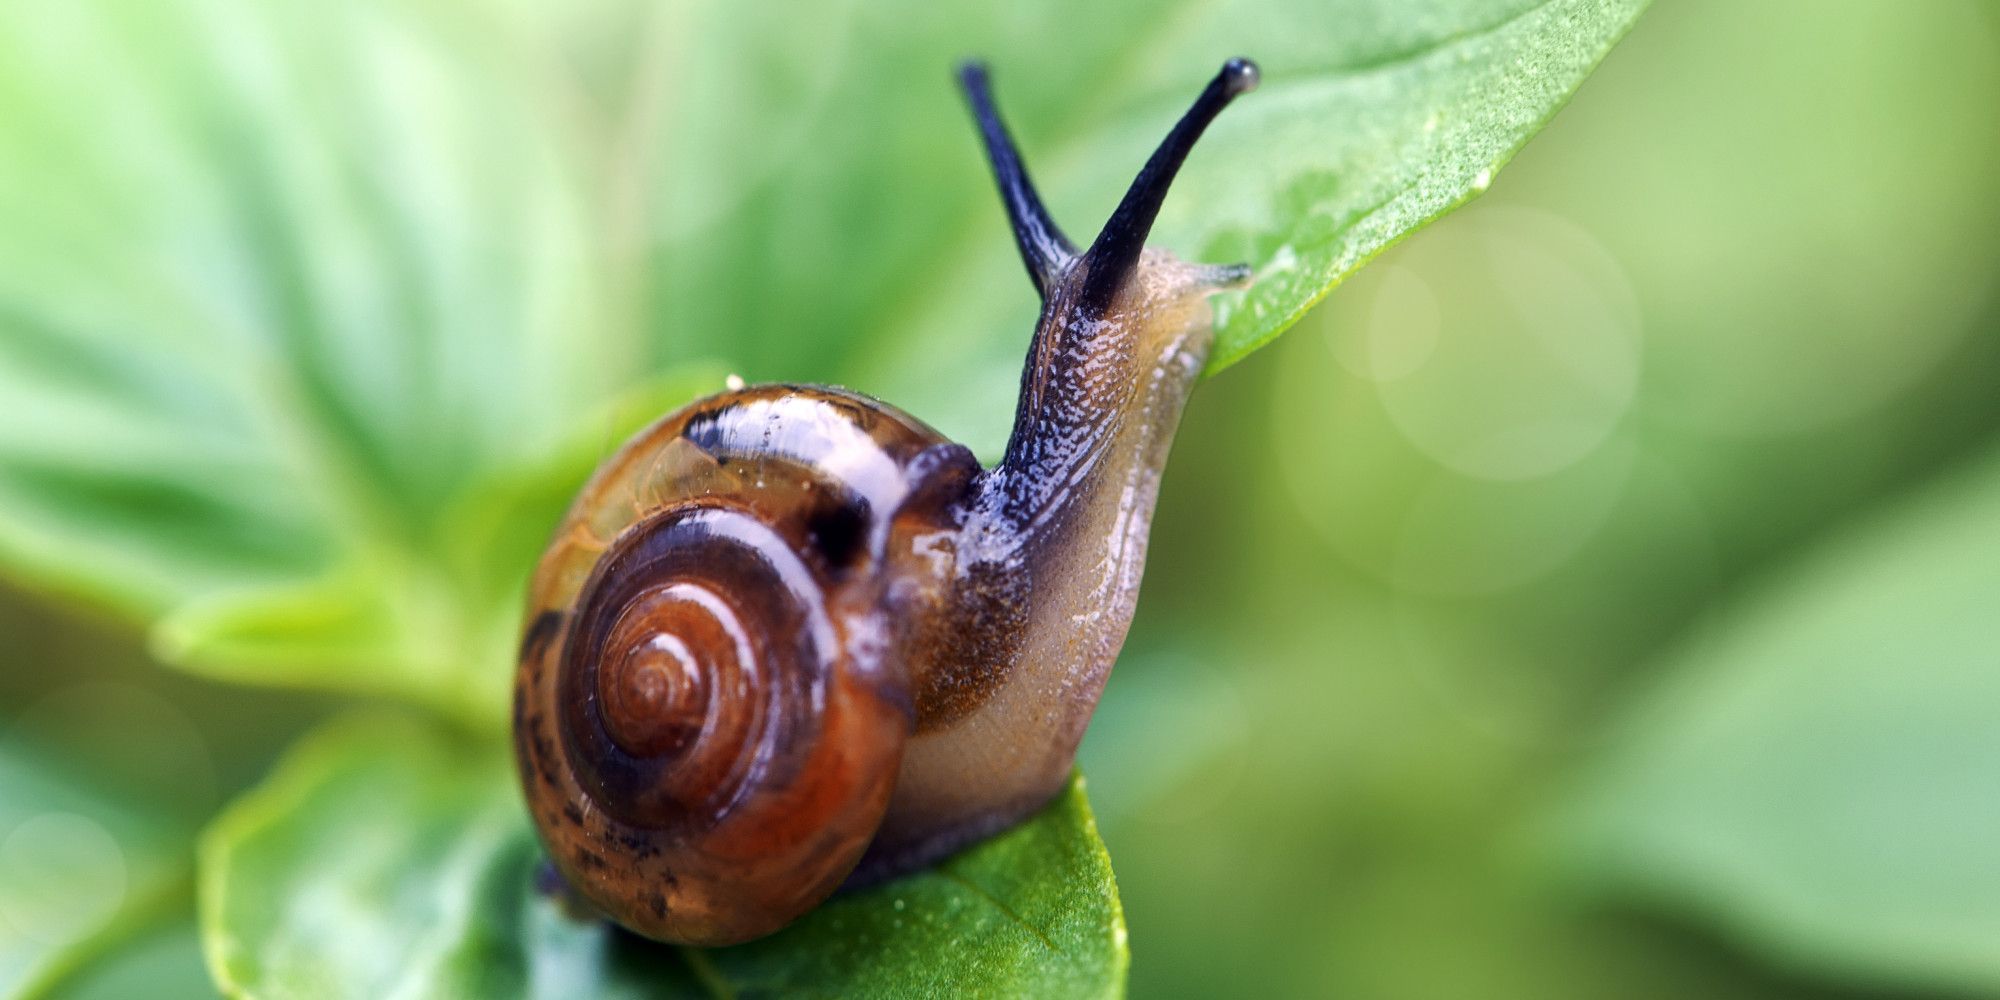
{"x":709,"y":718}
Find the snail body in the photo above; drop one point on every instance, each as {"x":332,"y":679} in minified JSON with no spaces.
{"x":790,"y":637}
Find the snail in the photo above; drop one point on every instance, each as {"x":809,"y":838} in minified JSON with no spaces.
{"x":790,"y":638}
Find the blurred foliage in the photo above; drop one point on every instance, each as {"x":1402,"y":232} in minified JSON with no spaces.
{"x":128,"y":761}
{"x":1817,"y":773}
{"x":73,"y":867}
{"x":1738,"y":295}
{"x":1523,"y":625}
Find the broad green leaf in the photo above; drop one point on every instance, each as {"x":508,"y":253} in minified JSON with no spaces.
{"x":290,"y":293}
{"x":1817,"y":774}
{"x":385,"y":859}
{"x":77,"y":869}
{"x":491,"y":538}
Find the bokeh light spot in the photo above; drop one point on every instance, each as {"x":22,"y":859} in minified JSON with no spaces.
{"x":1537,"y":337}
{"x":61,"y":876}
{"x":128,"y":736}
{"x":1401,"y":331}
{"x":1465,"y":536}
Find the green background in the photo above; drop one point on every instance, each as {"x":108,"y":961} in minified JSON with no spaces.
{"x":1594,"y":597}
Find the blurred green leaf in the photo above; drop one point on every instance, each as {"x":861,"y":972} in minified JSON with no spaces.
{"x":1816,"y":776}
{"x":456,"y":640}
{"x":77,"y":869}
{"x":280,"y":285}
{"x":384,"y":858}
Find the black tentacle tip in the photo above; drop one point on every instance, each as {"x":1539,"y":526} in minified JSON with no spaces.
{"x":1239,"y":76}
{"x":972,"y":74}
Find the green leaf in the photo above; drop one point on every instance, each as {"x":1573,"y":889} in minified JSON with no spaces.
{"x":77,"y":870}
{"x":290,"y":293}
{"x":385,"y":857}
{"x":453,"y":643}
{"x":1817,"y":776}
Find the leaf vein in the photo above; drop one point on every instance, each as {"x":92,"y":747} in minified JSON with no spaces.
{"x":1005,"y":910}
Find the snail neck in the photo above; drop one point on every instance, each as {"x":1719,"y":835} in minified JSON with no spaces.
{"x":1035,"y":590}
{"x":1101,"y":395}
{"x":1063,"y":519}
{"x":1048,"y":560}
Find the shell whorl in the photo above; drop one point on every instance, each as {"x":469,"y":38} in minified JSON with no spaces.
{"x":736,"y":754}
{"x":700,"y":654}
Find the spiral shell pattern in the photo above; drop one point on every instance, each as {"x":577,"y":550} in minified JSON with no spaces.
{"x":710,"y":712}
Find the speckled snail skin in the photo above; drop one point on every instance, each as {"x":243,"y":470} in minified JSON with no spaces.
{"x":789,"y":637}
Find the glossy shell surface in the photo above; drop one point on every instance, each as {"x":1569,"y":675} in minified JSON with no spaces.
{"x":709,"y":712}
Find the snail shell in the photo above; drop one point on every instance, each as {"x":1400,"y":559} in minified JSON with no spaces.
{"x":790,"y":637}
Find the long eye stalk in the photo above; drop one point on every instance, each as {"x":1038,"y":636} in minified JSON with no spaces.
{"x":1044,"y":248}
{"x":1116,"y":250}
{"x":1109,"y":262}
